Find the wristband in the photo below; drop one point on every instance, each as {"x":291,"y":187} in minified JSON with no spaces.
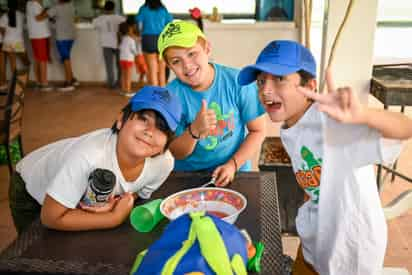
{"x":191,"y":133}
{"x":234,"y":161}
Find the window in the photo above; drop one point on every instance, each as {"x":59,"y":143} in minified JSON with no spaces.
{"x":394,"y":11}
{"x":229,"y":8}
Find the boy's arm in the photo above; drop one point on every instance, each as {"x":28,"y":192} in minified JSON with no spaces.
{"x":183,"y":145}
{"x":42,"y":16}
{"x":256,"y":133}
{"x":55,"y":215}
{"x":389,"y":124}
{"x":344,"y":106}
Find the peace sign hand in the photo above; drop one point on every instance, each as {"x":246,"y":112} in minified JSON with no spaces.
{"x":340,"y":104}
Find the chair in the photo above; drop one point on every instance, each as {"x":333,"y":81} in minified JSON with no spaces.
{"x":11,"y":113}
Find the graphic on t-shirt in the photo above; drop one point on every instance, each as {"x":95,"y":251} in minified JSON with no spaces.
{"x":309,"y":175}
{"x":224,"y":127}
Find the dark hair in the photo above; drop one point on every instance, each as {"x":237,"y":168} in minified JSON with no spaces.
{"x":124,"y":28}
{"x":109,"y":6}
{"x":199,"y":22}
{"x":130,"y":19}
{"x":153,"y":4}
{"x":12,"y":13}
{"x":160,"y":122}
{"x":304,"y":77}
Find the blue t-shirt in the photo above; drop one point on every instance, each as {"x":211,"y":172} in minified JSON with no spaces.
{"x":234,"y":106}
{"x":153,"y":20}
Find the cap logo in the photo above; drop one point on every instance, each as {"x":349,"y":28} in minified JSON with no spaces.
{"x":273,"y":50}
{"x":171,"y":30}
{"x":161,"y":95}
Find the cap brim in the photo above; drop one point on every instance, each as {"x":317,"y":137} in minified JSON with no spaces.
{"x":249,"y":73}
{"x":171,"y":122}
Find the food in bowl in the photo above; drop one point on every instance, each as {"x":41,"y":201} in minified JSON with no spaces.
{"x":224,"y":203}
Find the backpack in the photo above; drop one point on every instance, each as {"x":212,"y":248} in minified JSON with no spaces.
{"x":195,"y":242}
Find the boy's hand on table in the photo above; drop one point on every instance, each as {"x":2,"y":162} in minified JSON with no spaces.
{"x":124,"y":205}
{"x":224,"y":174}
{"x":204,"y":122}
{"x":341,"y":104}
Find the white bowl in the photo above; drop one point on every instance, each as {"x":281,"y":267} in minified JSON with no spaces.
{"x":224,"y":203}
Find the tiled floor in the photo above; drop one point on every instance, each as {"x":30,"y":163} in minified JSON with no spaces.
{"x":51,"y":116}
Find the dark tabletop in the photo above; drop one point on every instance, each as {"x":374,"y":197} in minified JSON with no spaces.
{"x":44,"y":251}
{"x":392,"y":84}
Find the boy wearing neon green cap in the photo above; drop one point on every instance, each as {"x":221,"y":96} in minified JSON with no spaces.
{"x":222,"y":124}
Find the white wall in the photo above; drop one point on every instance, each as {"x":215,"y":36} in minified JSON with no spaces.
{"x":238,"y":45}
{"x":354,"y":54}
{"x":87,"y":57}
{"x":232,"y":44}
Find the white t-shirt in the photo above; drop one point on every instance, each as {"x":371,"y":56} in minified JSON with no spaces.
{"x":37,"y":29}
{"x":128,"y":48}
{"x":108,"y":25}
{"x":13,"y":35}
{"x":64,"y":15}
{"x":341,"y":226}
{"x":61,"y":169}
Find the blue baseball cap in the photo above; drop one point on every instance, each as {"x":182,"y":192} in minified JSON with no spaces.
{"x":161,"y":100}
{"x":279,"y":57}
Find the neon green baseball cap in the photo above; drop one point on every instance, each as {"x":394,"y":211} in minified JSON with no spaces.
{"x":178,"y":33}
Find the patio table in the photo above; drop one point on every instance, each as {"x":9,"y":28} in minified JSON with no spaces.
{"x":43,"y":251}
{"x":392,"y":85}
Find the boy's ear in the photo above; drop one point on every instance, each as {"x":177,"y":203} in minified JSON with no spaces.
{"x":312,"y":84}
{"x":208,"y":48}
{"x":165,"y":58}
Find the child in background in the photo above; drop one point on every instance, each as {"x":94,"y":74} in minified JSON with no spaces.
{"x":128,"y":52}
{"x":63,"y":13}
{"x":108,"y":26}
{"x":11,"y":24}
{"x":222,"y":126}
{"x":51,"y":181}
{"x":140,"y":63}
{"x":151,"y":18}
{"x":141,"y":66}
{"x":39,"y":33}
{"x":333,"y":142}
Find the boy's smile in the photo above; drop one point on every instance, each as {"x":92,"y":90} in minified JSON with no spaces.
{"x":191,"y":65}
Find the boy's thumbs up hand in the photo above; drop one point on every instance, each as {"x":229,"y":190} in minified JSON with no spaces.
{"x":204,"y":122}
{"x":204,"y":106}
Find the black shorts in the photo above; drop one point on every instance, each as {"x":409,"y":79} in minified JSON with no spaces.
{"x":149,"y":43}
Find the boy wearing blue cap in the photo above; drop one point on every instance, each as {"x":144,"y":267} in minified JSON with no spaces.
{"x":222,"y":126}
{"x":333,"y":141}
{"x":52,"y":180}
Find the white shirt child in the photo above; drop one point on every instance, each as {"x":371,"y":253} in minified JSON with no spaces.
{"x":127,"y":48}
{"x":64,"y":15}
{"x":13,"y":36}
{"x":61,"y":169}
{"x":37,"y":29}
{"x":342,"y":227}
{"x":108,"y":26}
